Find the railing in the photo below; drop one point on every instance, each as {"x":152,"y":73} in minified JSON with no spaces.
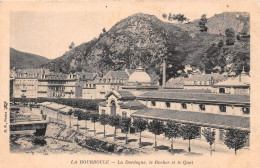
{"x":58,"y":121}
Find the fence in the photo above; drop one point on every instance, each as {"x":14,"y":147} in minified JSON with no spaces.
{"x":58,"y":121}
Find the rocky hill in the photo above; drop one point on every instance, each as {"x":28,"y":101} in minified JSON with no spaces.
{"x":144,"y":39}
{"x":19,"y":59}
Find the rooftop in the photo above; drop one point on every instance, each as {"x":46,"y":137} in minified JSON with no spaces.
{"x":203,"y":119}
{"x":133,"y":105}
{"x":117,"y":75}
{"x":122,"y":95}
{"x":209,"y":97}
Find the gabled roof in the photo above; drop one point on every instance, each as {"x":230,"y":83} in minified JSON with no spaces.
{"x":205,"y":97}
{"x":125,"y":95}
{"x":203,"y":119}
{"x":133,"y":105}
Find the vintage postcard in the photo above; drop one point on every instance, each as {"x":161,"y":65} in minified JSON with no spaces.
{"x":129,"y":84}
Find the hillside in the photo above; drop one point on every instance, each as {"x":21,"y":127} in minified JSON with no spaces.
{"x":19,"y":59}
{"x":144,"y":39}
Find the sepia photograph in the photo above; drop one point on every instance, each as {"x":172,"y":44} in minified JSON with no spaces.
{"x":134,"y":82}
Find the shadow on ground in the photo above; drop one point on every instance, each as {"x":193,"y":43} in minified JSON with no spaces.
{"x":132,"y":140}
{"x":146,"y":144}
{"x":120,"y":138}
{"x":177,"y":151}
{"x":110,"y":135}
{"x":193,"y":154}
{"x":162,"y":147}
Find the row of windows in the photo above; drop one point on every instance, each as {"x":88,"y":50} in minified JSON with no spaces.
{"x":202,"y":107}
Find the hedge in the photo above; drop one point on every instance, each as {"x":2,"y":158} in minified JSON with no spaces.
{"x":73,"y":102}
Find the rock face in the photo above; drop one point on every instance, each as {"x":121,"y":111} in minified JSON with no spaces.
{"x":144,"y":39}
{"x":239,"y":21}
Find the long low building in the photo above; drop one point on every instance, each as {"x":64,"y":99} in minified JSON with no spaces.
{"x":207,"y":110}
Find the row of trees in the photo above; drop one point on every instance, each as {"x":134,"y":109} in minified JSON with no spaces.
{"x":73,"y":102}
{"x":234,"y":139}
{"x":179,"y":17}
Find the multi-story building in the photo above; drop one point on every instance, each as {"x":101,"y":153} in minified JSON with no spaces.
{"x":33,"y":83}
{"x":113,"y":80}
{"x":25,"y":82}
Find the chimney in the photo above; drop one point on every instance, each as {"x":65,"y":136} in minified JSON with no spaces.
{"x":164,"y":74}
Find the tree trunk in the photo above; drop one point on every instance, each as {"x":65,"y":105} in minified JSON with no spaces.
{"x":94,"y":128}
{"x":104,"y":131}
{"x":235,"y":152}
{"x":189,"y":146}
{"x":77,"y":124}
{"x":126,"y":138}
{"x":86,"y":127}
{"x":210,"y":150}
{"x":115,"y":134}
{"x":70,"y":121}
{"x":155,"y":143}
{"x":172,"y":145}
{"x":140,"y":140}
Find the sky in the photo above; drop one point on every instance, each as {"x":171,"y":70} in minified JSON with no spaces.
{"x":50,"y":33}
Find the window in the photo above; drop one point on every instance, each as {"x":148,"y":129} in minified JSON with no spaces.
{"x":202,"y":107}
{"x":184,"y":105}
{"x":221,"y":90}
{"x":195,"y":82}
{"x":103,"y":112}
{"x":246,"y":110}
{"x":153,"y":103}
{"x":221,"y":135}
{"x":168,"y":104}
{"x":124,"y":114}
{"x":222,"y":109}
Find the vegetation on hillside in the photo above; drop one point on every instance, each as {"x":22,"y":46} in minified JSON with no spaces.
{"x":144,"y":39}
{"x":19,"y":59}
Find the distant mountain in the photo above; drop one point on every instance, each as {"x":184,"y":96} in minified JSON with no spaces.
{"x":19,"y":59}
{"x":144,"y":39}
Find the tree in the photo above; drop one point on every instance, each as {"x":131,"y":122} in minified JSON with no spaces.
{"x":77,"y":114}
{"x":235,"y":139}
{"x":157,"y":128}
{"x":104,"y":30}
{"x":125,"y":125}
{"x":230,"y":33}
{"x":86,"y":116}
{"x":70,"y":113}
{"x":179,"y":17}
{"x":189,"y":132}
{"x":104,"y":120}
{"x":172,"y":130}
{"x":114,"y":121}
{"x":140,"y":125}
{"x":164,"y":16}
{"x":202,"y":23}
{"x":210,"y":137}
{"x":94,"y":118}
{"x":72,"y":45}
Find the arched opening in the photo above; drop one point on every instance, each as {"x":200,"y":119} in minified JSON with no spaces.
{"x":221,"y":90}
{"x":113,"y":108}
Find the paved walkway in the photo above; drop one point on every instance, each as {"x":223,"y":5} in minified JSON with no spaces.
{"x":180,"y":146}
